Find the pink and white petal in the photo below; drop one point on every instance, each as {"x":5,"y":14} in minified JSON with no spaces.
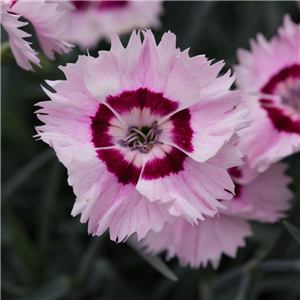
{"x":243,"y":174}
{"x":106,"y":203}
{"x":21,"y":49}
{"x":197,"y":245}
{"x":207,"y":74}
{"x":48,"y":22}
{"x":267,"y":146}
{"x":267,"y":196}
{"x":175,"y":81}
{"x":266,"y":59}
{"x":68,"y":117}
{"x":211,"y":125}
{"x":112,"y":73}
{"x":213,"y":120}
{"x":102,"y":78}
{"x":84,"y":28}
{"x":134,"y":15}
{"x":65,"y":130}
{"x":62,"y":5}
{"x":68,"y":129}
{"x":169,"y":175}
{"x":90,"y":25}
{"x":290,"y":33}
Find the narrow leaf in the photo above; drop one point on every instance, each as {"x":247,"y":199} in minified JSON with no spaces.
{"x":294,"y":231}
{"x":21,"y":176}
{"x":282,"y":265}
{"x":245,"y":287}
{"x":154,"y":261}
{"x":23,"y":244}
{"x":48,"y":197}
{"x":88,"y":257}
{"x":55,"y":289}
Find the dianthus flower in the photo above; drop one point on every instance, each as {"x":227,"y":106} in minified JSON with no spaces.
{"x":145,"y":133}
{"x":263,"y":199}
{"x":91,"y":21}
{"x":47,"y":20}
{"x":270,"y":77}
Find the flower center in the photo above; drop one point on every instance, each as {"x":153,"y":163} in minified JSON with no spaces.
{"x":292,"y":97}
{"x":283,"y":99}
{"x":142,"y":139}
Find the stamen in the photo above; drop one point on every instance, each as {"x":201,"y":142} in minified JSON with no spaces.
{"x":136,"y":137}
{"x":140,"y":133}
{"x":129,"y":136}
{"x":123,"y":143}
{"x":149,"y":133}
{"x":138,"y":140}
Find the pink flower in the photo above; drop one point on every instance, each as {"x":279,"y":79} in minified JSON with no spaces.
{"x":91,"y":21}
{"x":270,"y":77}
{"x":145,"y":133}
{"x":199,"y":244}
{"x":263,"y":199}
{"x":47,"y":20}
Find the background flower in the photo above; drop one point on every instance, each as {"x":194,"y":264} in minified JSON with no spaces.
{"x":91,"y":21}
{"x":264,"y":199}
{"x":270,"y":77}
{"x":48,"y":22}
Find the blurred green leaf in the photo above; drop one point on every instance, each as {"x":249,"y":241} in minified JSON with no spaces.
{"x":11,"y":185}
{"x":6,"y":53}
{"x":197,"y":16}
{"x":245,"y":287}
{"x":14,"y":289}
{"x":55,"y":289}
{"x":294,"y":231}
{"x":88,"y":257}
{"x":283,"y":242}
{"x":280,"y":265}
{"x":277,"y":283}
{"x":225,"y":278}
{"x":154,"y":261}
{"x":22,"y":243}
{"x":48,"y":197}
{"x":104,"y":277}
{"x":165,"y":286}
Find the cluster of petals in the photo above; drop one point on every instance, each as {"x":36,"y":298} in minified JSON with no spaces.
{"x":269,"y":75}
{"x":264,"y":199}
{"x":48,"y":21}
{"x":91,"y":21}
{"x":146,"y":134}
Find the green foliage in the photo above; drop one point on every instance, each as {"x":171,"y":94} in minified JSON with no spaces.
{"x":47,"y":254}
{"x":294,"y":231}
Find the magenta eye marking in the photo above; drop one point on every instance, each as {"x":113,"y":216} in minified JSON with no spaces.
{"x":142,"y":98}
{"x":284,"y":113}
{"x":141,"y":139}
{"x":112,"y":4}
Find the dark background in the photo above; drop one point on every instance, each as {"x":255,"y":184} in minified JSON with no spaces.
{"x":47,"y":254}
